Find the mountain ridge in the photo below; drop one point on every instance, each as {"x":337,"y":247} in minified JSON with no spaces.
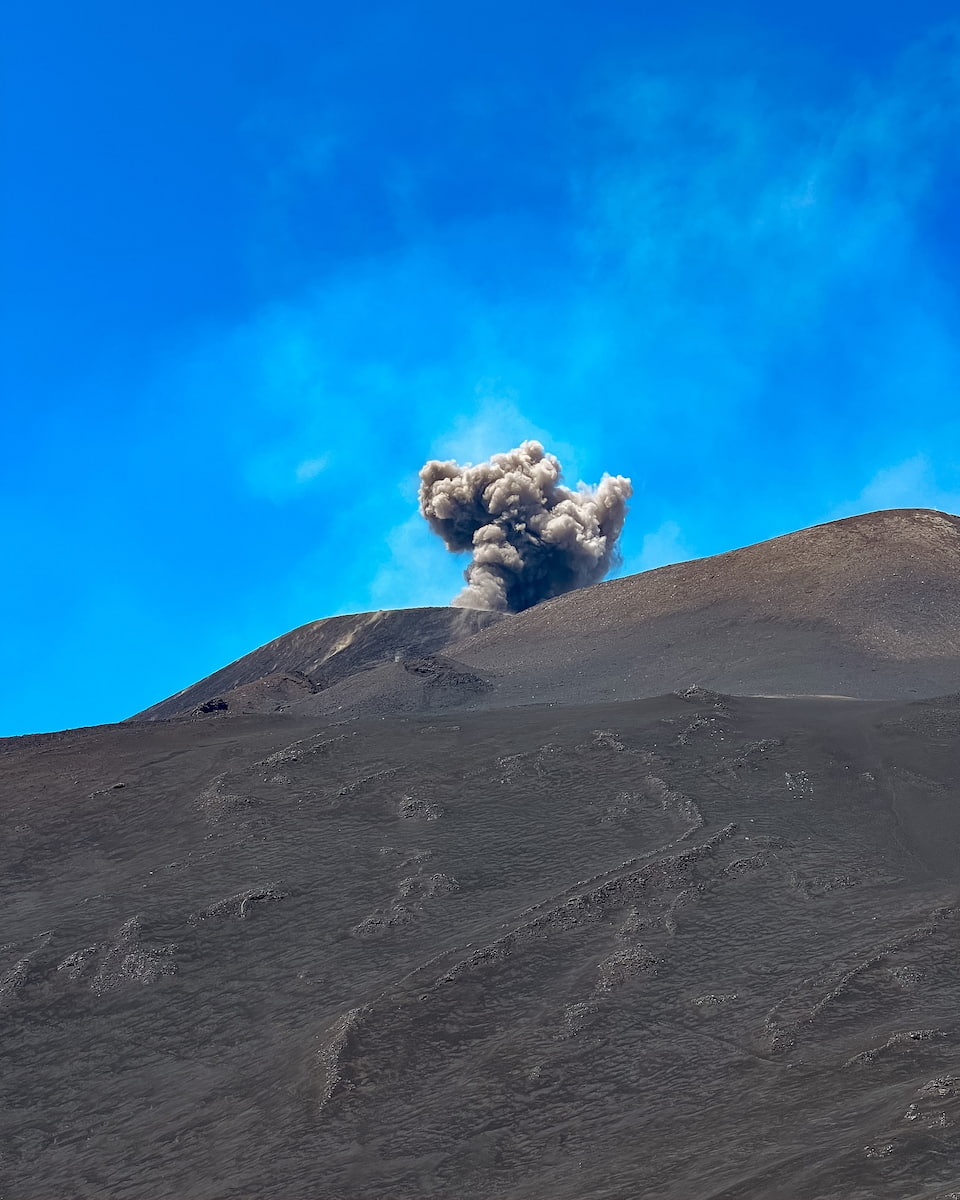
{"x":867,"y":606}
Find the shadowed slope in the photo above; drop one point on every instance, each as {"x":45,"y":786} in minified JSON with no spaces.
{"x":322,"y":653}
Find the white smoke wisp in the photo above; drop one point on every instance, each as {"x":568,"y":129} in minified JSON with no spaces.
{"x":531,"y":538}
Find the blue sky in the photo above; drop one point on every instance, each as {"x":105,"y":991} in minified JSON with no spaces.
{"x":260,"y":261}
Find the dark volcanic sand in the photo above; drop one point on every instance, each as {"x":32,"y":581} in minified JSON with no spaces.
{"x":692,"y":947}
{"x":396,"y":934}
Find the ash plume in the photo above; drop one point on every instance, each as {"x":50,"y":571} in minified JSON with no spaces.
{"x":531,"y":538}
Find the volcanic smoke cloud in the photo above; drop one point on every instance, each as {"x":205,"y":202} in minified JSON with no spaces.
{"x":531,"y":537}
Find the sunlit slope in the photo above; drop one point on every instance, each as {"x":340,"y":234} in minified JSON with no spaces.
{"x":868,"y":606}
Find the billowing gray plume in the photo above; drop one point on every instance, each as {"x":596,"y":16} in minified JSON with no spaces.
{"x":530,"y":536}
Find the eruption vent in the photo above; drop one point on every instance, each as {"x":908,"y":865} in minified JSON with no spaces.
{"x":531,"y":537}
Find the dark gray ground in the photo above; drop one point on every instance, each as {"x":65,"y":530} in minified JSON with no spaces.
{"x":687,"y":946}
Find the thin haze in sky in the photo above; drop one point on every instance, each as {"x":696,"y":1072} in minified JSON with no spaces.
{"x":262,"y":261}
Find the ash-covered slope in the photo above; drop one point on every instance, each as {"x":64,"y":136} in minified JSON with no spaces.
{"x":690,"y":947}
{"x":321,"y":654}
{"x":866,"y":607}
